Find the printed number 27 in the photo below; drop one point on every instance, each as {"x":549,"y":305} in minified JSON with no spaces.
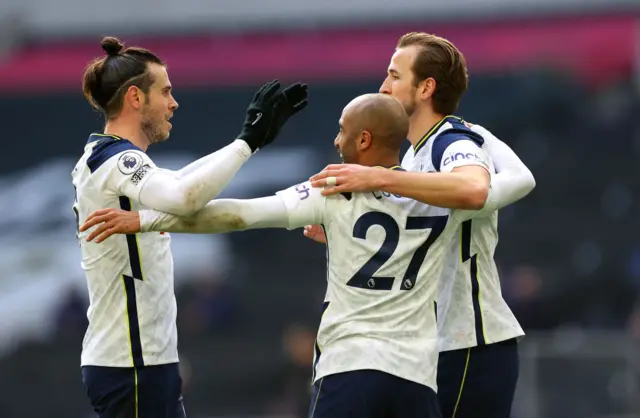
{"x":365,"y":278}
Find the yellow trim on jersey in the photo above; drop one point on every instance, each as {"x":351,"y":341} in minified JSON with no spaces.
{"x":315,"y":403}
{"x":108,"y":136}
{"x":126,"y":309}
{"x":464,"y":378}
{"x":395,"y":167}
{"x":135,"y":376}
{"x":437,"y":126}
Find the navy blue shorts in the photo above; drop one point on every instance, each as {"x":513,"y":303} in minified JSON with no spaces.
{"x":371,"y":394}
{"x":479,"y":381}
{"x":144,"y":392}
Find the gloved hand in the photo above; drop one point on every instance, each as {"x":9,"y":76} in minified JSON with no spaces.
{"x":292,"y":101}
{"x":269,"y":111}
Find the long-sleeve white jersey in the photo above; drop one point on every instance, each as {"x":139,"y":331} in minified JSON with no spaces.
{"x":384,"y":256}
{"x":132,"y":312}
{"x":471,"y":310}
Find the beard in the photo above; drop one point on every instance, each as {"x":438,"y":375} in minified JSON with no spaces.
{"x":152,"y":126}
{"x":410,"y":106}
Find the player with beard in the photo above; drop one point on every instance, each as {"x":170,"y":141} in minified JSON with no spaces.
{"x":130,"y":354}
{"x":376,"y":352}
{"x":478,"y":334}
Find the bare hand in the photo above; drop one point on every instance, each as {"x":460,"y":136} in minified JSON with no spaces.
{"x":348,"y":178}
{"x":112,"y":221}
{"x":316,"y":233}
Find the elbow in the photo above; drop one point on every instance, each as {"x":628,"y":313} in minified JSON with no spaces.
{"x":475,"y":196}
{"x":530,"y":182}
{"x":184,"y":205}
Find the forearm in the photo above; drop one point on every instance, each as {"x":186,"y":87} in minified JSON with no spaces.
{"x":207,"y":159}
{"x":184,"y":195}
{"x":219,"y":216}
{"x":456,"y":190}
{"x":513,"y":180}
{"x":507,"y":188}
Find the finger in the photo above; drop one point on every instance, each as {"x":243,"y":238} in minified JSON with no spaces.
{"x":296,"y":93}
{"x":330,"y":181}
{"x":318,"y":183}
{"x":335,"y":167}
{"x":96,"y":232}
{"x":94,"y":220}
{"x":272,"y":89}
{"x":106,"y":234}
{"x":310,"y":231}
{"x":328,"y":191}
{"x":314,"y":234}
{"x":258,"y":93}
{"x":99,"y":212}
{"x":324,"y":174}
{"x":299,"y":106}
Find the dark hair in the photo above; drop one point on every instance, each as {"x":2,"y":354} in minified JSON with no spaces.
{"x":441,"y":60}
{"x":107,"y":79}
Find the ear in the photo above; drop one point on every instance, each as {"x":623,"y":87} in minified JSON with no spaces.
{"x":135,"y":97}
{"x":426,"y":88}
{"x":365,"y":140}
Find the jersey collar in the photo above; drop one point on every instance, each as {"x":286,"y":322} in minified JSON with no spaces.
{"x":96,"y":137}
{"x":433,"y":130}
{"x":394,"y":168}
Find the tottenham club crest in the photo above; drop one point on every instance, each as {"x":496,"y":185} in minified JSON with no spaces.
{"x":129,"y":162}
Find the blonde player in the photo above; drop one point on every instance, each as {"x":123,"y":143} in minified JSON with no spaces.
{"x":130,"y":350}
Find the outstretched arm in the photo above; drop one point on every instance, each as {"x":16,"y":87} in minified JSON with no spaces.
{"x":219,"y":216}
{"x":290,"y":208}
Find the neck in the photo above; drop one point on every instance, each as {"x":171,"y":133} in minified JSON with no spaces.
{"x":420,"y":122}
{"x":384,"y":160}
{"x":128,"y":131}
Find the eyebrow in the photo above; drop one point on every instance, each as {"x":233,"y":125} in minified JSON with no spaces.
{"x":393,"y":71}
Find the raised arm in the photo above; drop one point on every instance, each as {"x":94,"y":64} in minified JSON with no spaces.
{"x":131,"y":173}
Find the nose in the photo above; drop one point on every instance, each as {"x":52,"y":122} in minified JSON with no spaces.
{"x":384,"y":88}
{"x":174,"y":105}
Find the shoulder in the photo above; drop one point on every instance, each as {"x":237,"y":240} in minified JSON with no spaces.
{"x":458,"y":136}
{"x":117,"y":152}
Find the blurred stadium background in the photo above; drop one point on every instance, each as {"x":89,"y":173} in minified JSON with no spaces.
{"x":558,"y":80}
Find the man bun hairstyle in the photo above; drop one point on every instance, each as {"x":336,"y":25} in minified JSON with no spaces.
{"x":112,"y":46}
{"x":107,"y":79}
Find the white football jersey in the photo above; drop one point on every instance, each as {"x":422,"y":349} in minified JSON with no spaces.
{"x":384,"y":256}
{"x":471,"y":310}
{"x":132,"y":312}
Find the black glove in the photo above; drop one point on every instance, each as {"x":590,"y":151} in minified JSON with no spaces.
{"x":260,"y":113}
{"x":269,"y":111}
{"x":292,"y":100}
